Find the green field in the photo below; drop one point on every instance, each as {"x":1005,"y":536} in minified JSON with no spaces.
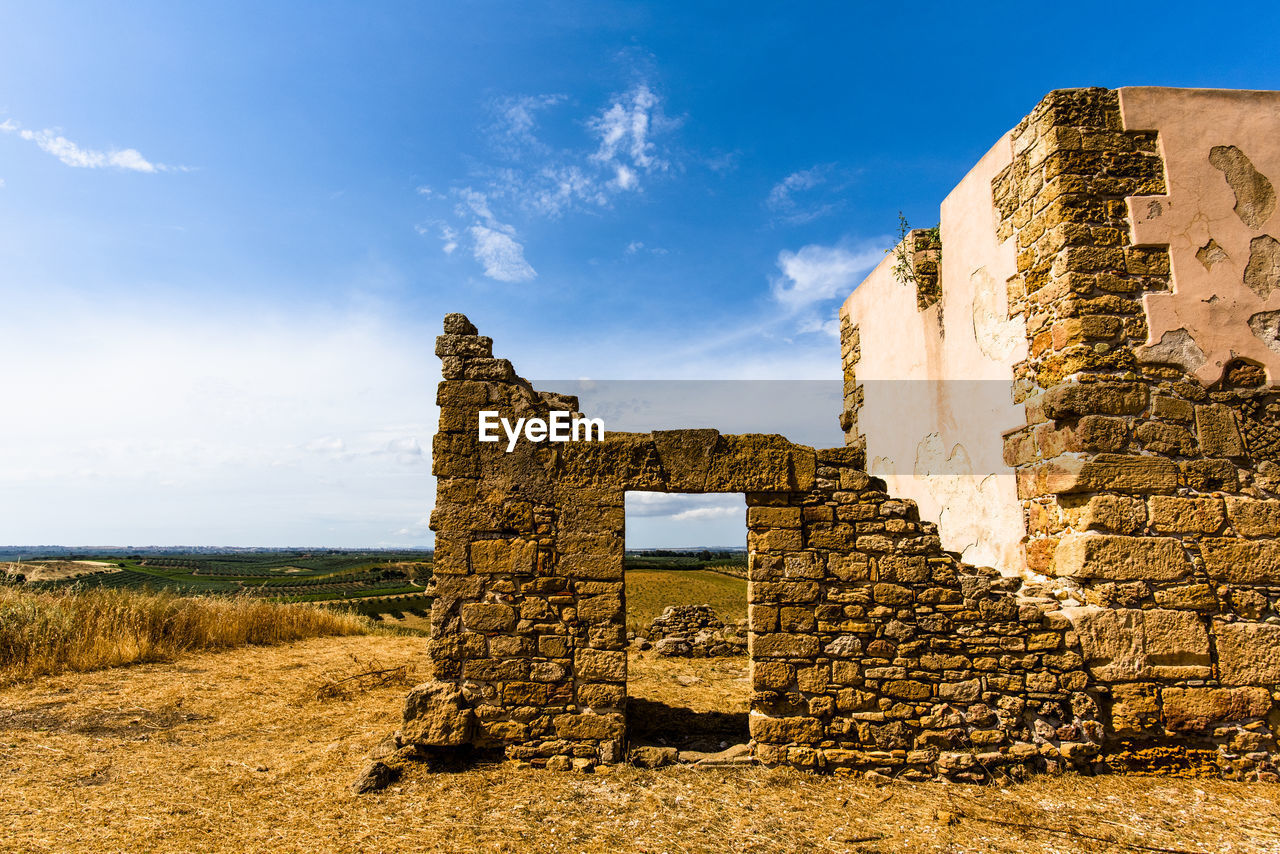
{"x":371,"y":582}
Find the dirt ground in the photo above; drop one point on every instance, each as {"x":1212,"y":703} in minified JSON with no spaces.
{"x":234,"y":751}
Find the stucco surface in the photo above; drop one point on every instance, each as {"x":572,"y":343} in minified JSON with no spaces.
{"x":1222,"y":159}
{"x":937,"y":383}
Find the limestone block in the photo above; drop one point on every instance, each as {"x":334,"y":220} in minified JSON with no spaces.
{"x":504,"y":557}
{"x":1110,"y":472}
{"x":1122,"y":645}
{"x":1248,"y":653}
{"x":600,"y":609}
{"x":1119,"y":514}
{"x":1172,"y":514}
{"x":1188,"y":597}
{"x":1071,"y":400}
{"x":1241,"y":561}
{"x":1253,"y":518}
{"x":488,"y":617}
{"x":1217,"y":430}
{"x":795,"y":730}
{"x":464,"y":345}
{"x":601,"y":665}
{"x":773,"y":517}
{"x":437,"y":715}
{"x":783,"y":645}
{"x":1135,"y":708}
{"x":589,"y":727}
{"x":1187,"y":709}
{"x":599,"y":567}
{"x":775,"y":539}
{"x":753,"y":462}
{"x":1120,"y":558}
{"x":1171,"y":409}
{"x":1165,"y":438}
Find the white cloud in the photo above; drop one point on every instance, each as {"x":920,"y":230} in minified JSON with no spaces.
{"x":71,"y":154}
{"x":818,"y":273}
{"x":501,"y":256}
{"x":293,"y":430}
{"x":683,"y":507}
{"x":539,"y":180}
{"x":806,"y":179}
{"x":634,"y":246}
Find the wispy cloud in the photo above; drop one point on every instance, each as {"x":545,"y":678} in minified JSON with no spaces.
{"x":621,"y":149}
{"x":501,"y":256}
{"x":816,"y":274}
{"x":52,"y":142}
{"x":806,"y":195}
{"x":683,"y":507}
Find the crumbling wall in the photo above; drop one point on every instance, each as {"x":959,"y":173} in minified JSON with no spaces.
{"x":1140,"y":624}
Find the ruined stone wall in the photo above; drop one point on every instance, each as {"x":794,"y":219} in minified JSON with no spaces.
{"x":1139,"y":624}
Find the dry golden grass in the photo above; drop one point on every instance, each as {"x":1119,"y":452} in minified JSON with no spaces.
{"x":700,"y":684}
{"x":234,"y":751}
{"x":649,"y":591}
{"x":77,"y":630}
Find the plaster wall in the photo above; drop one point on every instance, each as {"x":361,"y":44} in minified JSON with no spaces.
{"x":1221,"y":151}
{"x":937,"y":383}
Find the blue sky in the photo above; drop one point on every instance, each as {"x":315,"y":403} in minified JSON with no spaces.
{"x":228,"y":231}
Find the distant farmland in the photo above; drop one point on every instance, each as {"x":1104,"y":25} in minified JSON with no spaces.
{"x":369,"y":582}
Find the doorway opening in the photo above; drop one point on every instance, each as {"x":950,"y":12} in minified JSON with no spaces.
{"x":688,"y":681}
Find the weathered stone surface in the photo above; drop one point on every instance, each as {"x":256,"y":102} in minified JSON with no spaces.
{"x":1219,"y":435}
{"x":1135,"y":708}
{"x":1120,"y":558}
{"x":601,"y":664}
{"x":488,"y":617}
{"x":1072,"y":400}
{"x":1248,"y":653}
{"x":589,"y":726}
{"x":507,"y":557}
{"x":1188,"y":709}
{"x":1115,"y":472}
{"x":793,"y":730}
{"x":1241,"y":561}
{"x":783,"y":646}
{"x":1251,"y":517}
{"x":1122,"y":645}
{"x":436,"y":714}
{"x":1172,"y":514}
{"x":1119,"y":514}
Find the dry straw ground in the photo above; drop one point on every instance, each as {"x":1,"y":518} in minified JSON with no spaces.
{"x":236,"y":751}
{"x":71,"y":629}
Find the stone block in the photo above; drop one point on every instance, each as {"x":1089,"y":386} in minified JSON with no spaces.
{"x":794,"y":730}
{"x":1241,"y":561}
{"x":1114,"y":557}
{"x":1248,"y":653}
{"x":1251,"y":517}
{"x":1118,"y":514}
{"x":589,"y":727}
{"x":1171,"y":514}
{"x":488,"y":617}
{"x":1217,"y":430}
{"x":1135,"y":708}
{"x":601,"y":609}
{"x":773,"y":517}
{"x":1071,"y":400}
{"x":503,"y":557}
{"x":1140,"y":475}
{"x":775,"y":540}
{"x":783,"y":645}
{"x":1191,"y":709}
{"x":600,"y":665}
{"x":437,"y":715}
{"x":1125,"y":645}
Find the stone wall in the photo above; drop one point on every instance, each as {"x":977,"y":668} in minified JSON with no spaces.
{"x":1132,"y":513}
{"x":871,"y":647}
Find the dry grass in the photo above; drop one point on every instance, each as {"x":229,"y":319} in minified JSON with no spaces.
{"x":700,"y":684}
{"x":78,"y":630}
{"x":233,"y":751}
{"x":649,"y":591}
